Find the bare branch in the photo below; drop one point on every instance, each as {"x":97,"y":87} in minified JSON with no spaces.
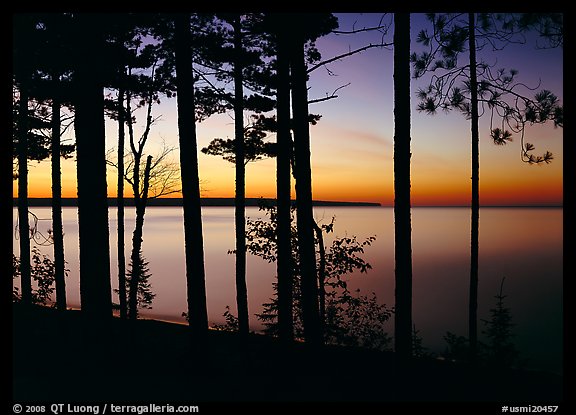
{"x":350,"y":53}
{"x":329,"y":97}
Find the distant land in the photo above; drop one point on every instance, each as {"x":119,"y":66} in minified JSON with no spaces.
{"x":176,"y":201}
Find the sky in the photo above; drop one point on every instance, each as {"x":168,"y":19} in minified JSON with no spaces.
{"x":352,"y":145}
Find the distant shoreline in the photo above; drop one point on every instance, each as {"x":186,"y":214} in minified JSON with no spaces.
{"x":176,"y":202}
{"x":253,"y":201}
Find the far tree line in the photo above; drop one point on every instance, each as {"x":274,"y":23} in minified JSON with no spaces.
{"x":76,"y":69}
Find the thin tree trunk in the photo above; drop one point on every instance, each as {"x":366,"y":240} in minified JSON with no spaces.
{"x":93,"y":232}
{"x":305,"y":215}
{"x":321,"y":275}
{"x":284,"y":263}
{"x":402,"y":219}
{"x":475,"y":217}
{"x":57,"y":231}
{"x":240,"y":196}
{"x":137,"y":242}
{"x":193,"y":239}
{"x":120,"y":207}
{"x":23,"y":224}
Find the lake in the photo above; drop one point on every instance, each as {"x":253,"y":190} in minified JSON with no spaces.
{"x":524,"y":245}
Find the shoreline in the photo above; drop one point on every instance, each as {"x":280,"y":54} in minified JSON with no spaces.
{"x":205,"y":201}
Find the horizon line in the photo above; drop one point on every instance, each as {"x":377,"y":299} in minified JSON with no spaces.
{"x":166,"y":202}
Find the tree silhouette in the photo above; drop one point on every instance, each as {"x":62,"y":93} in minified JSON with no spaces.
{"x":53,"y":57}
{"x":194,"y":245}
{"x":36,"y":107}
{"x":23,"y":55}
{"x":501,"y":351}
{"x":350,"y":318}
{"x":95,"y":290}
{"x":402,"y":220}
{"x":43,"y":272}
{"x":239,"y":49}
{"x":311,"y":27}
{"x":284,"y":263}
{"x":496,"y":91}
{"x":126,"y":41}
{"x":120,"y":204}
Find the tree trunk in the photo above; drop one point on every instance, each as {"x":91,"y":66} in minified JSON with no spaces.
{"x":57,"y":231}
{"x":473,"y":300}
{"x":193,"y":239}
{"x":321,"y":275}
{"x":284,"y":265}
{"x":305,"y":215}
{"x":240,"y":196}
{"x":137,"y":242}
{"x":120,"y":207}
{"x":23,"y":225}
{"x":402,"y":219}
{"x":95,"y":292}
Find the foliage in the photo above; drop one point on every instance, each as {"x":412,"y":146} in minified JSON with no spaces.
{"x":418,"y":349}
{"x":351,"y":318}
{"x":42,"y":271}
{"x":255,"y":148}
{"x":145,"y":294}
{"x":38,"y":139}
{"x":458,"y":347}
{"x":499,"y":350}
{"x":500,"y":93}
{"x":231,"y":322}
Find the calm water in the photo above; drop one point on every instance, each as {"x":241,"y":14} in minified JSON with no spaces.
{"x":522,"y":244}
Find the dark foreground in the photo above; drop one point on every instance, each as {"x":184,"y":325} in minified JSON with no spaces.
{"x":60,"y":357}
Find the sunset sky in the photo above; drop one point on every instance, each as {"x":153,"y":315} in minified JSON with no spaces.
{"x":352,"y":145}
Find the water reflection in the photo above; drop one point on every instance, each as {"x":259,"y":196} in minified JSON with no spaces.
{"x":522,"y":244}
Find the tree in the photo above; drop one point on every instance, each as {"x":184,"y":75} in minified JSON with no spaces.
{"x":140,"y":182}
{"x":43,"y":272}
{"x":254,"y":148}
{"x":54,"y":84}
{"x":57,"y":231}
{"x":284,"y":263}
{"x":351,"y":319}
{"x":402,"y":221}
{"x":48,"y":91}
{"x":147,"y":179}
{"x":95,"y":290}
{"x":137,"y":267}
{"x":23,"y":30}
{"x":240,"y":46}
{"x":137,"y":279}
{"x":496,"y":91}
{"x":501,"y":351}
{"x":311,"y":27}
{"x":475,"y":204}
{"x":194,"y":245}
{"x":120,"y":205}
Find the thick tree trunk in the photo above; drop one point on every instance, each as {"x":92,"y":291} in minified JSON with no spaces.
{"x":23,"y":224}
{"x":95,"y":292}
{"x":305,"y":215}
{"x":57,"y":231}
{"x":120,"y":208}
{"x":475,"y":216}
{"x":240,"y":196}
{"x":137,"y":243}
{"x":284,"y":263}
{"x":402,"y":219}
{"x":193,"y":239}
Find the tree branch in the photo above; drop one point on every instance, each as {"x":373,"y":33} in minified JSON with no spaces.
{"x":352,"y":52}
{"x":328,"y":97}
